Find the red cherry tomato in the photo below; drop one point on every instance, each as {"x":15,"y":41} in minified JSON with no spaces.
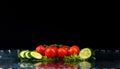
{"x":40,"y":49}
{"x":62,"y":53}
{"x":73,"y":50}
{"x":56,"y":48}
{"x":77,"y":47}
{"x":50,"y":52}
{"x":65,"y":47}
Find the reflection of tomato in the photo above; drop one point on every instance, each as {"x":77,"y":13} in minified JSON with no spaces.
{"x":50,"y":52}
{"x":70,"y":67}
{"x":40,"y":49}
{"x":60,"y":65}
{"x":55,"y":65}
{"x":48,"y":65}
{"x":51,"y":65}
{"x":62,"y":53}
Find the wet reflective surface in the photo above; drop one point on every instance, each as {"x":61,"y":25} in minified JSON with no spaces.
{"x":105,"y":59}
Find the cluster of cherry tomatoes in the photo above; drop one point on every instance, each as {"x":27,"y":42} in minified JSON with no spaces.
{"x":54,"y":50}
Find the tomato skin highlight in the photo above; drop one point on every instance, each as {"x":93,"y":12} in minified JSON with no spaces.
{"x":56,"y":48}
{"x":76,"y":46}
{"x":40,"y":49}
{"x":50,"y":52}
{"x":62,"y":53}
{"x":65,"y":47}
{"x":73,"y":50}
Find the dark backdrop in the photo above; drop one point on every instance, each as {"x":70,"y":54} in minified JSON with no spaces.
{"x":28,"y":36}
{"x":55,"y":27}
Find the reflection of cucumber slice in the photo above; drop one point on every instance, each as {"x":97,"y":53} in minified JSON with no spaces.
{"x":21,"y":55}
{"x":37,"y":64}
{"x":25,"y":65}
{"x":35,"y":55}
{"x":85,"y":53}
{"x":85,"y":65}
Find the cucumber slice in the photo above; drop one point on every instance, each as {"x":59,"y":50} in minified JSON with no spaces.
{"x":27,"y":55}
{"x":35,"y":55}
{"x":85,"y":53}
{"x":21,"y":55}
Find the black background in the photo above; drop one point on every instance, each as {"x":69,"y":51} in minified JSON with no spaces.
{"x":28,"y":36}
{"x":28,"y":29}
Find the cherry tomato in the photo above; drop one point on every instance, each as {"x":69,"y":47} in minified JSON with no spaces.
{"x":77,"y":47}
{"x":50,"y":52}
{"x":73,"y":51}
{"x":62,"y":53}
{"x":40,"y":49}
{"x":65,"y":47}
{"x":56,"y":48}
